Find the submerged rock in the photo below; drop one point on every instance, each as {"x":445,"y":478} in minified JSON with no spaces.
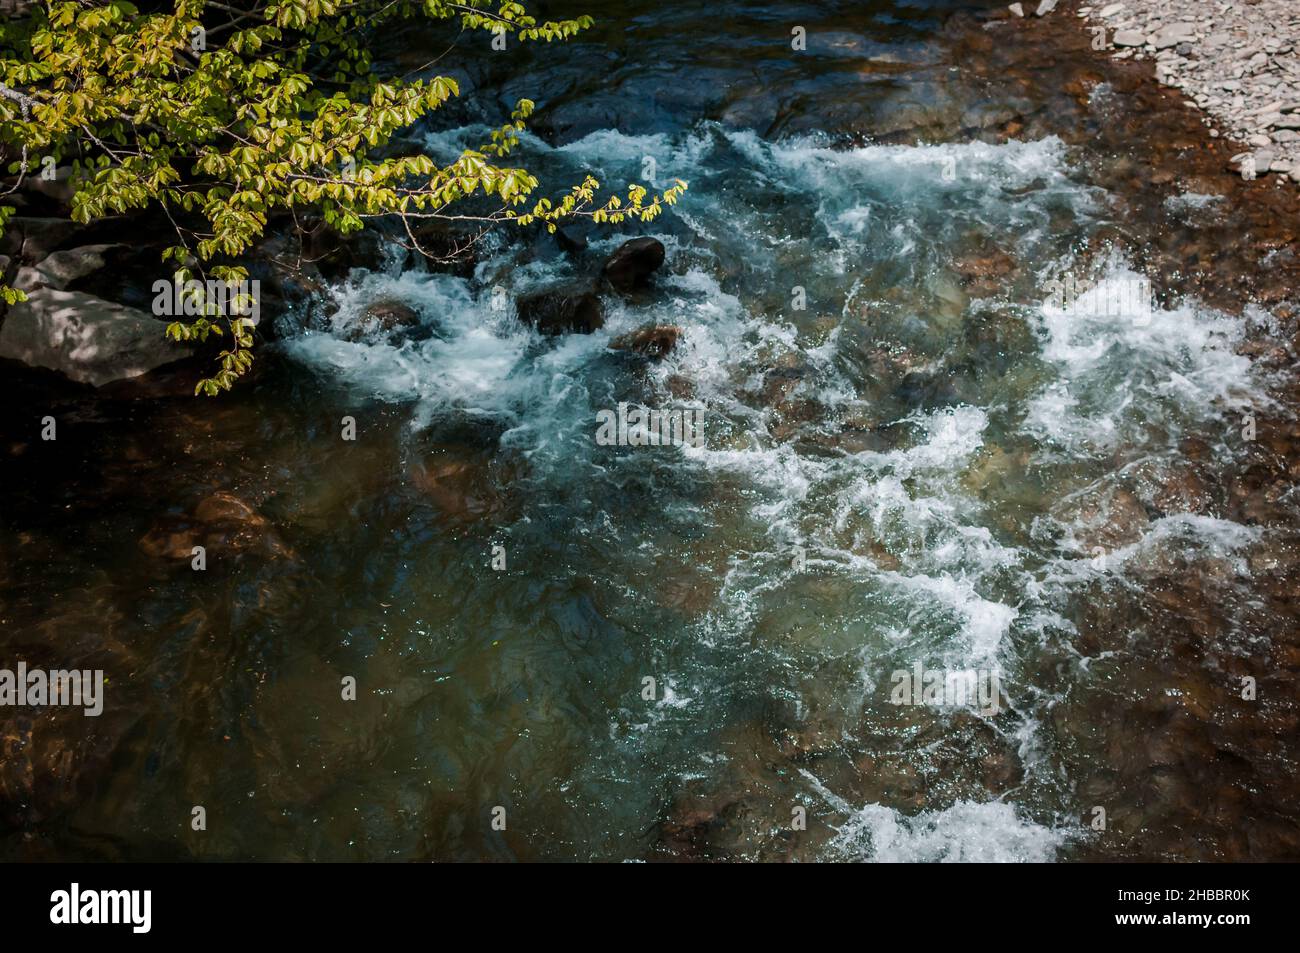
{"x":461,"y":483}
{"x":558,"y":312}
{"x":386,"y":317}
{"x":927,"y":389}
{"x":985,"y":273}
{"x":221,"y":523}
{"x":654,"y":341}
{"x":1107,"y":520}
{"x":632,"y":265}
{"x":1172,"y":487}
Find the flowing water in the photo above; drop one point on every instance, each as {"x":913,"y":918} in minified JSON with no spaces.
{"x":914,"y":453}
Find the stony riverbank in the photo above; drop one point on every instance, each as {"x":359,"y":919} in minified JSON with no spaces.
{"x":1235,"y":61}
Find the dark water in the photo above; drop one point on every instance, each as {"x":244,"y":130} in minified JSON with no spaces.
{"x":930,"y":461}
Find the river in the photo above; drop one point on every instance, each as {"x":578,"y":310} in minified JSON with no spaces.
{"x":981,"y":393}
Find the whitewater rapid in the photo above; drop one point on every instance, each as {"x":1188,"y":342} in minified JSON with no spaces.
{"x":926,"y":478}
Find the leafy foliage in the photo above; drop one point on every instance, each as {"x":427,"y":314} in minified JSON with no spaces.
{"x":227,"y":112}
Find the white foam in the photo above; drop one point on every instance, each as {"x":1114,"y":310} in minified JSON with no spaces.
{"x":822,"y":168}
{"x":1191,"y":535}
{"x":984,"y":622}
{"x":967,"y":832}
{"x":1125,"y":362}
{"x":952,"y":436}
{"x":1192,"y":202}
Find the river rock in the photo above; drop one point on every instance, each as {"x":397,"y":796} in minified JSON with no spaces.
{"x":572,"y":238}
{"x":60,"y":189}
{"x":387,"y":317}
{"x":59,"y":269}
{"x":1172,"y":35}
{"x":984,"y":273}
{"x":221,"y":522}
{"x":223,"y":507}
{"x":391,"y":315}
{"x":1105,"y":519}
{"x":289,"y":279}
{"x":85,"y":338}
{"x":559,"y":311}
{"x":635,"y":261}
{"x":31,"y":239}
{"x":654,"y":341}
{"x":169,"y":539}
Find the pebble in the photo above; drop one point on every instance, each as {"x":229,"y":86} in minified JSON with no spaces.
{"x":1172,"y":35}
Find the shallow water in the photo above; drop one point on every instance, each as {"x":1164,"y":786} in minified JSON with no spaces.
{"x":913,"y":453}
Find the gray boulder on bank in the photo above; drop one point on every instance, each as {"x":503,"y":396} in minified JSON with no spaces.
{"x":85,"y":338}
{"x":59,"y":269}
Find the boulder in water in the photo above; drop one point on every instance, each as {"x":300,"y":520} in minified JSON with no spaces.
{"x":632,"y":265}
{"x":387,"y":316}
{"x":559,"y":312}
{"x":654,"y":341}
{"x":571,"y":238}
{"x":391,"y":315}
{"x":222,"y":523}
